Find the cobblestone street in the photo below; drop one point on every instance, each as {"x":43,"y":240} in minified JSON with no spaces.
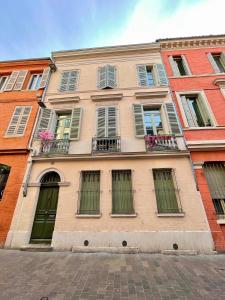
{"x":67,"y":276}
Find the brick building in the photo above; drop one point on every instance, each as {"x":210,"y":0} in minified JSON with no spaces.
{"x":22,"y":83}
{"x":196,"y":70}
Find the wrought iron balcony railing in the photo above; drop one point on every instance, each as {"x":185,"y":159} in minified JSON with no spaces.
{"x":55,"y":147}
{"x":160,"y":142}
{"x":105,"y":144}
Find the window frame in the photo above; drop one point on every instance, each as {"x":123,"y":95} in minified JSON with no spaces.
{"x":207,"y":106}
{"x":4,"y":84}
{"x":30,"y":80}
{"x":221,"y":60}
{"x":160,"y":108}
{"x":62,"y":112}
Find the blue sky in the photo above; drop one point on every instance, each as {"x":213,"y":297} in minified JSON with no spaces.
{"x":35,"y":28}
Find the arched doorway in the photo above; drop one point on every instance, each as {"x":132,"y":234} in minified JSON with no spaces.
{"x":44,"y":220}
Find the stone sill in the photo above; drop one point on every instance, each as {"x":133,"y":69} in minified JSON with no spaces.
{"x":179,"y":215}
{"x":123,"y":215}
{"x":83,"y":216}
{"x":220,"y":221}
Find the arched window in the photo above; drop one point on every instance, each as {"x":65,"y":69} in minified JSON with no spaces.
{"x":4,"y":174}
{"x":50,"y":178}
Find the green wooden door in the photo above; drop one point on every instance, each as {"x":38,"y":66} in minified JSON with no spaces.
{"x":44,"y":220}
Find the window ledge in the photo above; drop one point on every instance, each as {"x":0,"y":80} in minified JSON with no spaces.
{"x":83,"y":216}
{"x":204,"y":128}
{"x":65,"y":99}
{"x":220,"y":221}
{"x":104,"y":97}
{"x":123,"y":215}
{"x":170,"y":215}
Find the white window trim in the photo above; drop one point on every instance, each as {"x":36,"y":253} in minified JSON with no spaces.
{"x":3,"y":87}
{"x":39,"y":74}
{"x":208,"y":107}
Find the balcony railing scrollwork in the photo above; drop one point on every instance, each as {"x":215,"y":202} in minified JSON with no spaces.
{"x":55,"y":147}
{"x":160,"y":142}
{"x":105,"y":144}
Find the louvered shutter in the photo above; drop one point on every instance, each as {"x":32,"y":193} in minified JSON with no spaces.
{"x":23,"y":120}
{"x":204,"y":111}
{"x":213,"y":63}
{"x":185,"y":64}
{"x":192,"y":122}
{"x":14,"y":121}
{"x":68,"y":81}
{"x":44,"y":78}
{"x":102,"y":77}
{"x":111,"y":76}
{"x":111,"y":122}
{"x":174,"y":66}
{"x":161,"y":74}
{"x":142,"y":75}
{"x":75,"y":123}
{"x":20,"y":80}
{"x":101,"y":122}
{"x":172,"y":117}
{"x":44,"y":122}
{"x":139,"y":120}
{"x":11,"y":81}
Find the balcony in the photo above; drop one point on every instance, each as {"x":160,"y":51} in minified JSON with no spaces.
{"x":55,"y":147}
{"x":161,"y":143}
{"x":105,"y":145}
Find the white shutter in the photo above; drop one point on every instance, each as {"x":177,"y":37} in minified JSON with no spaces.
{"x":203,"y":110}
{"x":192,"y":122}
{"x":23,"y":120}
{"x":68,"y":81}
{"x":20,"y":80}
{"x":173,"y":119}
{"x":213,"y":63}
{"x":185,"y":64}
{"x":75,"y":123}
{"x":19,"y":120}
{"x":44,"y":78}
{"x":44,"y":121}
{"x":142,"y":75}
{"x":139,"y":120}
{"x":111,"y":76}
{"x":11,"y":81}
{"x":161,"y":74}
{"x":111,"y":122}
{"x":102,"y":77}
{"x":101,"y":122}
{"x":174,"y":66}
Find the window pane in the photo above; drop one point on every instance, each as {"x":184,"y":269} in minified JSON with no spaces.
{"x":150,"y":80}
{"x":62,"y":130}
{"x":90,"y":192}
{"x":38,"y":82}
{"x":3,"y":81}
{"x":153,"y":122}
{"x":165,"y":191}
{"x":178,"y":60}
{"x":122,"y":198}
{"x":219,"y":63}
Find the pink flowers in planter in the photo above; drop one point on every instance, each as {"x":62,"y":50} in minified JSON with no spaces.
{"x":46,"y":135}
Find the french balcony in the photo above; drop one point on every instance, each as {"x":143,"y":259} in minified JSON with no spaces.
{"x":105,"y":144}
{"x":161,"y":143}
{"x":55,"y":147}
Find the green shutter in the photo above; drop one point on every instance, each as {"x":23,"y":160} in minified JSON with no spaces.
{"x":90,"y":192}
{"x":138,"y":120}
{"x":122,"y":198}
{"x":215,"y":176}
{"x":20,"y":80}
{"x":75,"y":123}
{"x":111,"y":122}
{"x":23,"y":120}
{"x":185,"y":64}
{"x":44,"y":78}
{"x":142,"y":75}
{"x":161,"y":75}
{"x":11,"y":81}
{"x":19,"y":120}
{"x":106,"y":77}
{"x":222,"y":56}
{"x":173,"y":119}
{"x":174,"y":66}
{"x":203,"y":110}
{"x":44,"y":121}
{"x":101,"y":122}
{"x":165,"y":191}
{"x":213,"y":63}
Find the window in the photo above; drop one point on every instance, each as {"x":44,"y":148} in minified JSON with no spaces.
{"x":62,"y":130}
{"x":152,"y":120}
{"x":3,"y":80}
{"x":166,"y":194}
{"x":4,"y":174}
{"x":217,"y":61}
{"x":106,"y":121}
{"x":90,"y":193}
{"x":107,"y":77}
{"x":69,"y":81}
{"x":35,"y":82}
{"x":179,"y":65}
{"x":16,"y":80}
{"x":152,"y":75}
{"x":122,"y":194}
{"x":215,"y":176}
{"x":18,"y":121}
{"x":196,"y":112}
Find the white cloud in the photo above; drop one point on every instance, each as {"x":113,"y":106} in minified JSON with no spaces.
{"x":147,"y":22}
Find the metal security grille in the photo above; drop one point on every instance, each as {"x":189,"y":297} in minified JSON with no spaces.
{"x":166,"y":193}
{"x":215,"y":176}
{"x":90,"y":192}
